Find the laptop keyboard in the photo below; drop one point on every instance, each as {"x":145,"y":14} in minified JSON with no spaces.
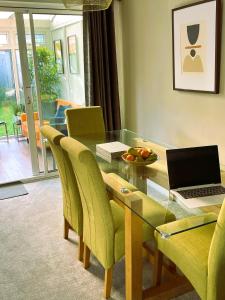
{"x":203,"y":192}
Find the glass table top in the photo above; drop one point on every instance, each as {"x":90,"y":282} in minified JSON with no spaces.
{"x":145,"y":189}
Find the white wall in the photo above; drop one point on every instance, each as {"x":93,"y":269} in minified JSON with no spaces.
{"x":152,"y":108}
{"x":72,"y":84}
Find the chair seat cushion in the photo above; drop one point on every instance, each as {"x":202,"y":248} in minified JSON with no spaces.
{"x":189,"y":251}
{"x":154,"y":213}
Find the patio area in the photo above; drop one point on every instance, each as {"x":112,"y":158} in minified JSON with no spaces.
{"x":7,"y":115}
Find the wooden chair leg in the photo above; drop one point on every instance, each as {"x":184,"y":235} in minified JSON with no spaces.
{"x":108,"y":282}
{"x":157,"y":272}
{"x":66,"y":229}
{"x":81,"y":248}
{"x":86,"y":259}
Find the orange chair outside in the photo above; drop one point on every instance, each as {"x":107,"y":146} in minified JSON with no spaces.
{"x":24,"y":126}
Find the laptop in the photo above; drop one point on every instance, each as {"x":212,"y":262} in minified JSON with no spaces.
{"x":194,"y":176}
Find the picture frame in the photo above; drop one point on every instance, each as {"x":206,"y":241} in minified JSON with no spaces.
{"x":59,"y":56}
{"x":196,"y":38}
{"x":73,"y":54}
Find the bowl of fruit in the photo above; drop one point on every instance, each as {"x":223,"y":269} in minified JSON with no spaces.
{"x":139,"y":156}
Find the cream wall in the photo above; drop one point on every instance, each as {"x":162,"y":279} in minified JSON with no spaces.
{"x":151,"y":107}
{"x":72,"y":84}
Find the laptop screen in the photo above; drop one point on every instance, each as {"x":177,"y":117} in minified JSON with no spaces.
{"x":193,"y":166}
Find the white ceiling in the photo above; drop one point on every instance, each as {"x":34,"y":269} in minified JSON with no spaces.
{"x":44,"y":1}
{"x":33,"y":4}
{"x":41,"y":4}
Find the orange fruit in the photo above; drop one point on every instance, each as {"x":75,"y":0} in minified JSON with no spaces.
{"x":145,"y":153}
{"x":130,"y":157}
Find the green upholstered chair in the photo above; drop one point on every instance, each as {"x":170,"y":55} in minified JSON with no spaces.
{"x":72,"y":207}
{"x":85,"y":121}
{"x":200,"y":255}
{"x":103,"y":232}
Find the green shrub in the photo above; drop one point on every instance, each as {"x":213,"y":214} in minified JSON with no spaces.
{"x":2,"y":94}
{"x":6,"y":114}
{"x":18,"y":109}
{"x":47,"y":73}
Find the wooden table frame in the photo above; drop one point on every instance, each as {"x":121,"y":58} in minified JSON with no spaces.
{"x":133,"y":237}
{"x":133,"y":250}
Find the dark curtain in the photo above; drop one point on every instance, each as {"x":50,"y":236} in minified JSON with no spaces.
{"x":100,"y":66}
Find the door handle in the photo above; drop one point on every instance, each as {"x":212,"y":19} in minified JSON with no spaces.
{"x":29,"y":100}
{"x":29,"y":97}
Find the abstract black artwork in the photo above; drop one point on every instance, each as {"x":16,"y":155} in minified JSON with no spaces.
{"x":196,"y":46}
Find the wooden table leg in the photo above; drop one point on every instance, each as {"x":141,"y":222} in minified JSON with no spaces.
{"x":133,"y":251}
{"x":133,"y":236}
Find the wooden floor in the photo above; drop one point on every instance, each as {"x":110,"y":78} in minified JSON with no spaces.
{"x":15,"y":163}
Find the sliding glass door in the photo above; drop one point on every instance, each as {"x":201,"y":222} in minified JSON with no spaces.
{"x":41,"y":69}
{"x":59,"y":41}
{"x":18,"y":153}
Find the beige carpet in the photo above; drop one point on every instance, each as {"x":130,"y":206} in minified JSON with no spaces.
{"x":37,"y":263}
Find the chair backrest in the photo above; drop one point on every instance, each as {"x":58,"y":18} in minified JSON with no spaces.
{"x":23,"y":116}
{"x":216,"y":260}
{"x":85,"y":121}
{"x":64,"y":102}
{"x":72,"y":207}
{"x":98,"y":231}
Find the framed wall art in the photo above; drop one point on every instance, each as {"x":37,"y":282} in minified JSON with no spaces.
{"x":59,"y":56}
{"x":196,"y":46}
{"x":73,"y":54}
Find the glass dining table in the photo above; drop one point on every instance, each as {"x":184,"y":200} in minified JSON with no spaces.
{"x":151,"y":179}
{"x":127,"y":182}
